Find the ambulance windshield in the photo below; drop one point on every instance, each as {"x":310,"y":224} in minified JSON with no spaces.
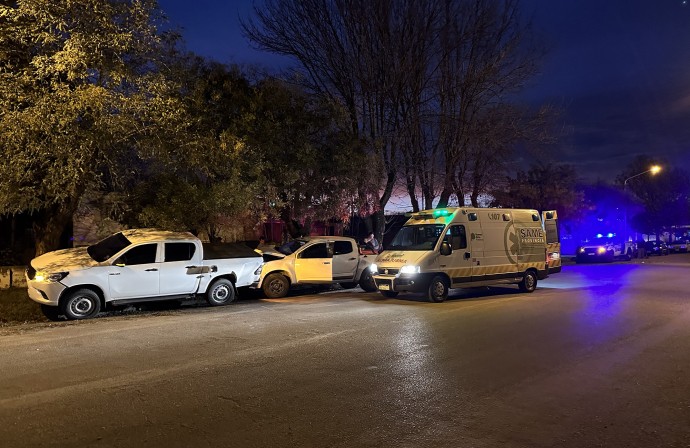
{"x":417,"y":237}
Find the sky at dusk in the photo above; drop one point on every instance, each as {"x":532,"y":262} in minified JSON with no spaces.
{"x":619,"y":70}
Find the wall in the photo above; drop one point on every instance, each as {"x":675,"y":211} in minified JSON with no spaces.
{"x":12,"y":277}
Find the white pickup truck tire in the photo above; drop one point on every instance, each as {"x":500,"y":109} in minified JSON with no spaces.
{"x":221,"y":292}
{"x":80,"y":304}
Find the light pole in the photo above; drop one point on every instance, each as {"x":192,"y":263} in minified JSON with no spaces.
{"x":654,"y":170}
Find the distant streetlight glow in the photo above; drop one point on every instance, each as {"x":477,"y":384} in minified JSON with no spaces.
{"x":654,"y":169}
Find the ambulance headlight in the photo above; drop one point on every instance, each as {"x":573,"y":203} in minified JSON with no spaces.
{"x":259,"y":269}
{"x":601,"y":250}
{"x":410,"y":269}
{"x":373,"y":268}
{"x":582,"y":250}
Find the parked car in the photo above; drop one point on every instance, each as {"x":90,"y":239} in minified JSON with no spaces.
{"x":136,"y":266}
{"x":315,"y":261}
{"x":604,"y":249}
{"x":679,"y":245}
{"x":657,"y":248}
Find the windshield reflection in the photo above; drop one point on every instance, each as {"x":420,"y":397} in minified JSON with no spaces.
{"x":417,"y":237}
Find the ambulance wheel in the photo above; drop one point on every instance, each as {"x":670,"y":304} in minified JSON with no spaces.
{"x":275,"y":286}
{"x":529,"y":282}
{"x":438,"y":289}
{"x":389,"y":294}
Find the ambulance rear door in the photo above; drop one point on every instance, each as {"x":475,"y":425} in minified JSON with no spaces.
{"x":553,"y":240}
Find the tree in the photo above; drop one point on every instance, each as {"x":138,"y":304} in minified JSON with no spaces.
{"x":665,"y":196}
{"x":420,"y":82}
{"x":353,"y":53}
{"x":78,"y":84}
{"x":311,"y":166}
{"x":544,"y":187}
{"x":202,"y":172}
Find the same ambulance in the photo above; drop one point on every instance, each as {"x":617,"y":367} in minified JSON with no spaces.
{"x":445,"y":248}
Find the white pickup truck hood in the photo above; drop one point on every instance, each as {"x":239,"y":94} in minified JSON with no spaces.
{"x":64,"y":260}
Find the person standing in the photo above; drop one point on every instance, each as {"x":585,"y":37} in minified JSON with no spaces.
{"x":371,"y":242}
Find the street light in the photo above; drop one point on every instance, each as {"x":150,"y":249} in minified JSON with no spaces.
{"x":654,"y":169}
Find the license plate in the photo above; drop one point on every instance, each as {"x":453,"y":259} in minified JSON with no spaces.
{"x":385,"y":287}
{"x":590,"y":253}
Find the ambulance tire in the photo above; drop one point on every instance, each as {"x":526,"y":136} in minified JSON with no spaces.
{"x":438,"y":289}
{"x":529,"y":282}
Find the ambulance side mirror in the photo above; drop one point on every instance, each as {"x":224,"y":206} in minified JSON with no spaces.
{"x":446,"y":249}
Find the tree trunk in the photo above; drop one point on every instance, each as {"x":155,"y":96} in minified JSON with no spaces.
{"x":50,"y":224}
{"x":379,"y":225}
{"x":444,"y":198}
{"x":412,"y":191}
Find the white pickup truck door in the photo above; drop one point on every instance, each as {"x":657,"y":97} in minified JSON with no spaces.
{"x":135,"y":273}
{"x":345,"y":260}
{"x":314,"y":263}
{"x":178,"y":274}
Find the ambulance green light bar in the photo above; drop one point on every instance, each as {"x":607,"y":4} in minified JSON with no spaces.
{"x":437,"y":213}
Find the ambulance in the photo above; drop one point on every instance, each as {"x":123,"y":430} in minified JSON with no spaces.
{"x":445,"y":248}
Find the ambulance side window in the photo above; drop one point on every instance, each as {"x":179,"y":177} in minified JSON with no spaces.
{"x":456,"y":237}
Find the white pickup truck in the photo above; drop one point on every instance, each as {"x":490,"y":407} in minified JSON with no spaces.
{"x":316,"y":261}
{"x":137,"y":266}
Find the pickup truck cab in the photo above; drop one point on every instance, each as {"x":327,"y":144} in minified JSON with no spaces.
{"x":135,"y":266}
{"x":316,"y":261}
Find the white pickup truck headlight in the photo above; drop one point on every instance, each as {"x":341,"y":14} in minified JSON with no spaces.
{"x":50,"y":277}
{"x":258,"y":270}
{"x":410,"y":269}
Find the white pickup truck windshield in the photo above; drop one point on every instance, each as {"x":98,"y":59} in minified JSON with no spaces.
{"x":108,"y":247}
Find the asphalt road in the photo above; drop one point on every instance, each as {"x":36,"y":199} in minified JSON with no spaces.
{"x":599,"y":355}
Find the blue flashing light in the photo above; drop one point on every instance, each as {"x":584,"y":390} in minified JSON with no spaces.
{"x":610,"y":235}
{"x":599,"y":235}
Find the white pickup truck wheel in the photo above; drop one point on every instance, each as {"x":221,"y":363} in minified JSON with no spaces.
{"x":221,"y":292}
{"x":275,"y":286}
{"x":80,"y":304}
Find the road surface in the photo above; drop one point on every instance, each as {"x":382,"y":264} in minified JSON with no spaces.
{"x":599,"y":355}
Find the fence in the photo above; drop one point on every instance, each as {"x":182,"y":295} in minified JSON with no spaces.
{"x":12,"y":277}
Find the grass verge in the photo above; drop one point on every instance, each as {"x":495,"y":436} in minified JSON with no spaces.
{"x":16,"y":307}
